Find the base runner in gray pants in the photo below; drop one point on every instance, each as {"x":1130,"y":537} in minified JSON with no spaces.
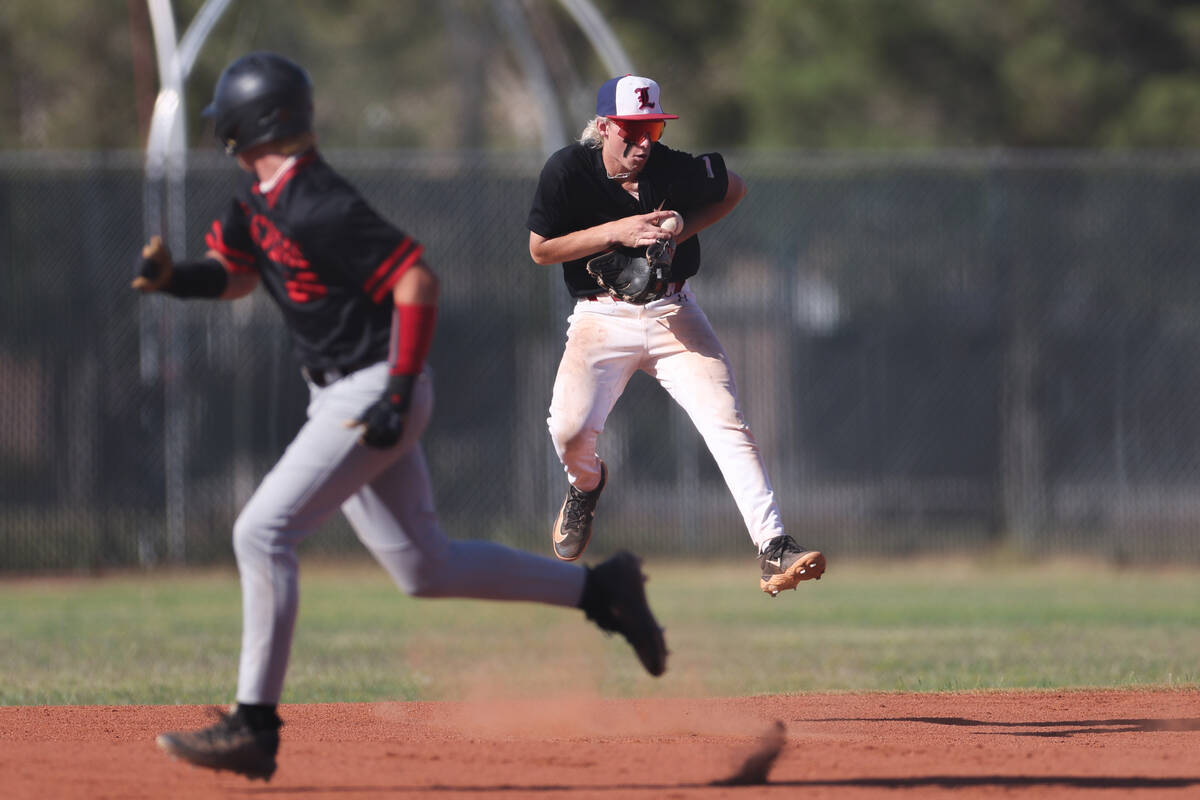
{"x":360,"y":304}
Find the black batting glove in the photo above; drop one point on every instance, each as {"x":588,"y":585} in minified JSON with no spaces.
{"x":382,"y":422}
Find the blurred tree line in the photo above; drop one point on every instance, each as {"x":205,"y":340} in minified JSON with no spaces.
{"x":742,"y":73}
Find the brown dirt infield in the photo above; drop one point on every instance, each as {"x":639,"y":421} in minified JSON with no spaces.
{"x":1013,"y":744}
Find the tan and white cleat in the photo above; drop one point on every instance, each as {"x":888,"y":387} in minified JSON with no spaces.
{"x":785,"y":563}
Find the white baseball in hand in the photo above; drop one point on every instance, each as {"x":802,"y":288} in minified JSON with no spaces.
{"x":673,"y":223}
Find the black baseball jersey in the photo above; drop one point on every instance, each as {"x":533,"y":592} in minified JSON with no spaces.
{"x":325,"y":256}
{"x":574,"y":192}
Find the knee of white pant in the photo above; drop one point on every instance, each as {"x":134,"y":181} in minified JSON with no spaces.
{"x":573,"y":444}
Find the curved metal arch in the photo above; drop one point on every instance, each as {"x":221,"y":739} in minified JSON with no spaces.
{"x":591,"y":22}
{"x":166,"y":146}
{"x":167,"y":143}
{"x":604,"y":41}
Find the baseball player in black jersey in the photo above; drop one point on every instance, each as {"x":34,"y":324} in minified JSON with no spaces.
{"x":617,"y":194}
{"x":360,"y":303}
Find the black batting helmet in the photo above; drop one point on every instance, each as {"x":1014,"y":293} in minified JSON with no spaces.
{"x":261,"y":97}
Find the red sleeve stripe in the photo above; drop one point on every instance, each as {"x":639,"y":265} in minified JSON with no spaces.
{"x":238,"y":261}
{"x":385,"y":277}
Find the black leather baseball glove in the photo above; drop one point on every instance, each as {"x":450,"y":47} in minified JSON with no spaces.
{"x":635,"y":276}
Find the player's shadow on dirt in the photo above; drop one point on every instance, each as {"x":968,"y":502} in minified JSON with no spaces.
{"x":1058,"y":728}
{"x":619,"y":789}
{"x":755,"y":772}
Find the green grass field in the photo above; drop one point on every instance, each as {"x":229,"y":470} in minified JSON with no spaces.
{"x":924,"y":625}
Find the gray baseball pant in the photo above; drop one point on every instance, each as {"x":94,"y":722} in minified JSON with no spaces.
{"x":388,"y":499}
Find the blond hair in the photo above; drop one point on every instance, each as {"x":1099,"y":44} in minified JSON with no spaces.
{"x":287,"y":146}
{"x":591,"y":134}
{"x":291,"y":145}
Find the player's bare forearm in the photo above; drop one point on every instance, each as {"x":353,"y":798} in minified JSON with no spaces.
{"x":701,"y":218}
{"x":567,"y":247}
{"x":639,"y":230}
{"x":419,"y":285}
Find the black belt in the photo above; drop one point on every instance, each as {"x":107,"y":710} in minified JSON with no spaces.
{"x":673,"y":288}
{"x":322,"y":377}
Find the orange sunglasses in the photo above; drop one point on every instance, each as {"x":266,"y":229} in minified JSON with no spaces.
{"x":633,"y":131}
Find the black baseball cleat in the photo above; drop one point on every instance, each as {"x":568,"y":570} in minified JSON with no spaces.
{"x":229,"y":744}
{"x":573,"y":528}
{"x":614,"y":597}
{"x":785,"y":563}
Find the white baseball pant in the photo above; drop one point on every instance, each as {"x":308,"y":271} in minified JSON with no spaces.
{"x":388,"y":499}
{"x":672,"y":341}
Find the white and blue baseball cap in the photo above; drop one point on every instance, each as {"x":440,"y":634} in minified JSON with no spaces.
{"x":629,"y":97}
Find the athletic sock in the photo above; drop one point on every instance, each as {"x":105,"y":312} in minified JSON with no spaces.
{"x":259,"y":717}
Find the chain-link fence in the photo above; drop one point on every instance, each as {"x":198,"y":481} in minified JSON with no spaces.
{"x":936,"y":352}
